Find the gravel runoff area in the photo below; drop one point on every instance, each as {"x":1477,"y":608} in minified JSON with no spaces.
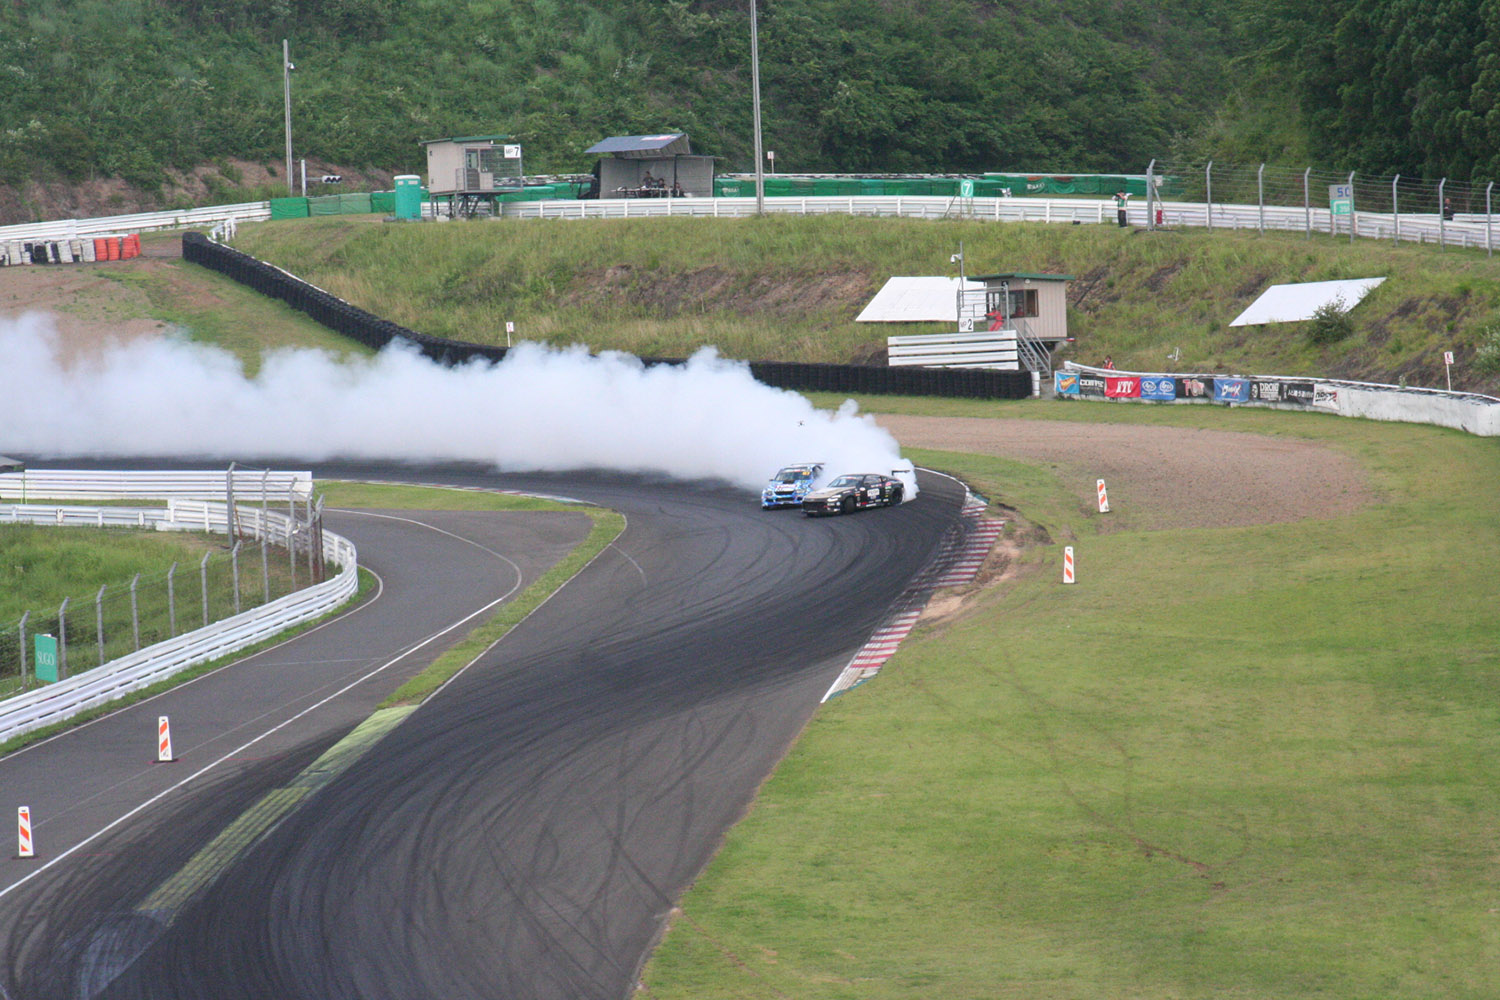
{"x":1167,"y":477}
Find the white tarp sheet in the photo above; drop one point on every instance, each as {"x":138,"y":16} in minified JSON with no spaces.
{"x":1294,"y":303}
{"x":915,"y":300}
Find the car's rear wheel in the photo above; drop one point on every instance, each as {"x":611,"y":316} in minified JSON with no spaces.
{"x":896,"y":494}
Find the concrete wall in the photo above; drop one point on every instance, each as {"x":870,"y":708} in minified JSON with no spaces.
{"x":1465,"y":411}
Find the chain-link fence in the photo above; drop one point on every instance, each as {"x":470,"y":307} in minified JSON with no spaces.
{"x":1332,"y":201}
{"x":241,"y":573}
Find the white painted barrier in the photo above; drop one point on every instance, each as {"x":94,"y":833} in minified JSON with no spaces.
{"x":193,"y":484}
{"x":60,"y":701}
{"x":110,"y":225}
{"x":1466,"y":411}
{"x":1472,"y":232}
{"x":983,"y":349}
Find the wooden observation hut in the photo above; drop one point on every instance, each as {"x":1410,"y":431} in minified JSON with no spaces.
{"x":470,"y":171}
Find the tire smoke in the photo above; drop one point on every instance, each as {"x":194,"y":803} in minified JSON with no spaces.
{"x":540,"y":409}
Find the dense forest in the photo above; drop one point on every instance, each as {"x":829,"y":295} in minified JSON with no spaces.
{"x":124,"y":89}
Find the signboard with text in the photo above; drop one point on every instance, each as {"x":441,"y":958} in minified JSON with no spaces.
{"x":46,"y":658}
{"x":1341,"y":198}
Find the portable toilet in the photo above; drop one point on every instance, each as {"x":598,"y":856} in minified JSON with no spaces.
{"x":408,"y":197}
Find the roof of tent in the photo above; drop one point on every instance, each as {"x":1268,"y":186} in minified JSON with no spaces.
{"x":467,"y":138}
{"x":640,"y":146}
{"x":11,"y":464}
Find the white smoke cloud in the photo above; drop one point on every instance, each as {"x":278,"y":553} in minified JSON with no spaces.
{"x":540,"y":409}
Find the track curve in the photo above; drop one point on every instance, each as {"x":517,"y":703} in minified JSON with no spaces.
{"x":525,"y":832}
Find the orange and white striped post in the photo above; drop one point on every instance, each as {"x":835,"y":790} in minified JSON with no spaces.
{"x":1103,"y":499}
{"x":1068,"y":564}
{"x":23,"y":833}
{"x":163,"y":740}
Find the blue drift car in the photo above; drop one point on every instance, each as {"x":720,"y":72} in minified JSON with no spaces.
{"x":788,"y":487}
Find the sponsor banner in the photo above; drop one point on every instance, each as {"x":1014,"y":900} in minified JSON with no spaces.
{"x":1326,"y":396}
{"x":1265,"y":392}
{"x":1122,"y":387}
{"x":1158,"y":387}
{"x":1231,"y":390}
{"x":1065,"y":383}
{"x":1091,"y":385}
{"x":1194,"y":388}
{"x":1300,"y":393}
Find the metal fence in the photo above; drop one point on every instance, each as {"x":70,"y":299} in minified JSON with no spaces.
{"x":271,"y":546}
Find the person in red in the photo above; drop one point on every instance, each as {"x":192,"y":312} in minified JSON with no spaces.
{"x":1109,"y":363}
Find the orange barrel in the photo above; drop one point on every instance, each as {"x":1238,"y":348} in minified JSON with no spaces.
{"x":101,"y":251}
{"x":131,"y":247}
{"x":113,"y":242}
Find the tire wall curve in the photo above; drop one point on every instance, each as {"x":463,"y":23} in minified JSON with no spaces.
{"x":372,"y":331}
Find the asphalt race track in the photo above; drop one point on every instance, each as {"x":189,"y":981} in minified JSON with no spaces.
{"x":522,"y":834}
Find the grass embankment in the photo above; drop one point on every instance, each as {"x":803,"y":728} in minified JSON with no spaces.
{"x":788,"y":288}
{"x":1253,"y":762}
{"x":214,"y":309}
{"x":607,"y":525}
{"x":40,"y":566}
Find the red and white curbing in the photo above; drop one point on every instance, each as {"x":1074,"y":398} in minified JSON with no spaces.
{"x":1103,"y":498}
{"x":957,"y":564}
{"x":163,"y":741}
{"x":24,"y":848}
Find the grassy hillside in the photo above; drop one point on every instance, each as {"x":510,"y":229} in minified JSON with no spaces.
{"x":1237,"y":762}
{"x":789,"y":288}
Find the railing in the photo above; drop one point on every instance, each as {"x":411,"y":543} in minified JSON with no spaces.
{"x":197,"y":484}
{"x":987,"y":349}
{"x":69,"y":229}
{"x":138,"y":670}
{"x":1471,"y":231}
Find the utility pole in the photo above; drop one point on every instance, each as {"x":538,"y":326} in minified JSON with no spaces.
{"x":286,"y":90}
{"x":760,"y":173}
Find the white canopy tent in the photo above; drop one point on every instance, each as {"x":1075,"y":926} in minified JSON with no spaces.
{"x":916,"y":300}
{"x":1295,"y":303}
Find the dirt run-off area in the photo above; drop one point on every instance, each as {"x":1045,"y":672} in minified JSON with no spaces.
{"x":1165,"y":477}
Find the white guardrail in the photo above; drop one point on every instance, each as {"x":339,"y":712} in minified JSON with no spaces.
{"x":1474,"y":232}
{"x":113,"y":225}
{"x":135,"y":671}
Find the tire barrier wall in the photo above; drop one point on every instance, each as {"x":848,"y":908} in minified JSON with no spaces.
{"x":372,"y":331}
{"x":14,"y":253}
{"x":1465,"y":411}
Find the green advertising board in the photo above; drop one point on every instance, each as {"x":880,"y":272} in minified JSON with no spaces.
{"x":46,"y":658}
{"x":966,"y":189}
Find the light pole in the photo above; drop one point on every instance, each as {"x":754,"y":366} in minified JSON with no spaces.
{"x":760,"y":172}
{"x":286,"y":90}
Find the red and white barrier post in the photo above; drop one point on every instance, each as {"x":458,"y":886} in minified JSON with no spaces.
{"x":1068,"y":564}
{"x":23,"y":833}
{"x":163,"y":740}
{"x":1103,"y":499}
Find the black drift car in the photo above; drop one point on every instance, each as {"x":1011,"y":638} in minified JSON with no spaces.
{"x":850,"y":493}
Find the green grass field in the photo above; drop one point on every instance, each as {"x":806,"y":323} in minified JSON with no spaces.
{"x":1254,"y":762}
{"x":788,"y":287}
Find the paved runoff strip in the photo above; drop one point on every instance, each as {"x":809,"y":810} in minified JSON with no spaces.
{"x":958,"y":560}
{"x":260,"y":819}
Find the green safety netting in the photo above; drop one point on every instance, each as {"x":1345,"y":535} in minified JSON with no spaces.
{"x":988,"y":186}
{"x":542,"y":192}
{"x":288,"y":208}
